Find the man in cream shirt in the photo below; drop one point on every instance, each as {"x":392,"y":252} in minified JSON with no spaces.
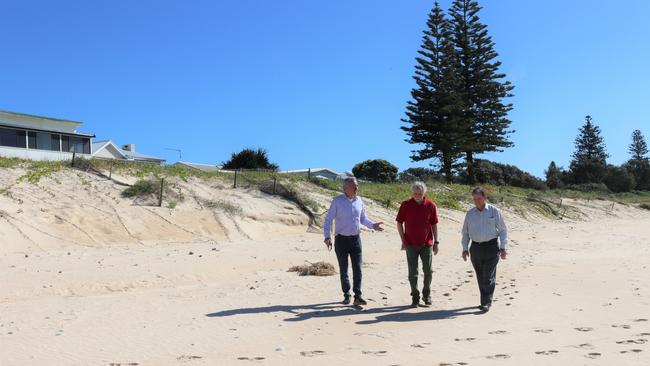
{"x":485,"y":228}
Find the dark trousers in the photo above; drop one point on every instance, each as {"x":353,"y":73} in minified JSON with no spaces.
{"x":484,"y":259}
{"x":425,"y":254}
{"x":349,"y":246}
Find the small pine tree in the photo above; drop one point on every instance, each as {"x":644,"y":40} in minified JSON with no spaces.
{"x":481,"y":86}
{"x":638,"y":148}
{"x":431,"y":114}
{"x":589,"y":164}
{"x":639,"y":164}
{"x":553,"y":176}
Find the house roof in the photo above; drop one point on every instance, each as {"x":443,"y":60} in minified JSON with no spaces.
{"x":313,"y":171}
{"x":40,"y":117}
{"x":130,"y":155}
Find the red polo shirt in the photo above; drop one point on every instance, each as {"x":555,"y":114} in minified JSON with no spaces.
{"x":418,"y":218}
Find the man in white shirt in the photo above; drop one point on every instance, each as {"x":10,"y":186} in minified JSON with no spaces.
{"x":485,"y":228}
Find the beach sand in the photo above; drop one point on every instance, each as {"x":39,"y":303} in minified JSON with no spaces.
{"x":156,"y":286}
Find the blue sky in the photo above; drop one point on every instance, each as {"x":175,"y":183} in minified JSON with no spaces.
{"x":315,"y":83}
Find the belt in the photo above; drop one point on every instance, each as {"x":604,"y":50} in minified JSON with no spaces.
{"x":493,"y":241}
{"x":347,"y":236}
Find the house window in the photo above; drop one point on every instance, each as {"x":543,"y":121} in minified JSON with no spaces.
{"x":12,"y":138}
{"x":31,"y":139}
{"x":55,"y":142}
{"x":65,"y":144}
{"x":43,"y":141}
{"x":80,"y":145}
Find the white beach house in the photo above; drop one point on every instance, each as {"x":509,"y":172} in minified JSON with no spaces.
{"x":41,"y":138}
{"x":322,"y":173}
{"x":33,"y":137}
{"x":106,"y":149}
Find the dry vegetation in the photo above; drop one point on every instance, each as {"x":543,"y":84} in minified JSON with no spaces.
{"x":314,"y":269}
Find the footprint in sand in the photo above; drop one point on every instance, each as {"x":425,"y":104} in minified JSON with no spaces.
{"x":498,"y":332}
{"x":186,"y":358}
{"x":499,"y":356}
{"x":375,"y":353}
{"x":124,"y":364}
{"x":633,"y":341}
{"x":641,"y":320}
{"x":543,"y":330}
{"x":312,"y":353}
{"x":465,"y":339}
{"x":633,"y":351}
{"x":584,"y":346}
{"x":251,"y":358}
{"x":452,"y":364}
{"x":624,"y":326}
{"x":593,"y":355}
{"x":642,"y":335}
{"x":547,"y":353}
{"x":584,"y":329}
{"x":421,"y":345}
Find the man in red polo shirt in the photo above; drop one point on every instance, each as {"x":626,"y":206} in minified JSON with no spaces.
{"x":417,"y":221}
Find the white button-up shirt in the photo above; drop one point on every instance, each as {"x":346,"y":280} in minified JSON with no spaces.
{"x":485,"y":225}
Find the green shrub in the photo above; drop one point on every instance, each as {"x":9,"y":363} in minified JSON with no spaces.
{"x":377,"y":170}
{"x":421,"y":174}
{"x":618,"y":179}
{"x":489,"y":172}
{"x":141,"y":188}
{"x":645,"y":206}
{"x":250,"y":159}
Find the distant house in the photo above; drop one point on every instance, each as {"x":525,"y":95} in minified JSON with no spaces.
{"x":33,"y":137}
{"x":323,"y":173}
{"x":106,"y":149}
{"x":207,"y":168}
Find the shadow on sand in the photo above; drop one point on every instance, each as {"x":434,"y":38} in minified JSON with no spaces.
{"x":335,"y":309}
{"x":423,"y":315}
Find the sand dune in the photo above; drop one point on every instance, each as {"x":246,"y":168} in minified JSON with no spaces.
{"x":91,"y":278}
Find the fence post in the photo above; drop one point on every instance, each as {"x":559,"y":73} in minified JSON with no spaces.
{"x":110,"y":171}
{"x":275,"y":182}
{"x":74,"y":153}
{"x":309,"y":174}
{"x":162,"y":186}
{"x":235,"y":184}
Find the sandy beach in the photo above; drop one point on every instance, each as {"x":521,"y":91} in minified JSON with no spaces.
{"x":89,"y":278}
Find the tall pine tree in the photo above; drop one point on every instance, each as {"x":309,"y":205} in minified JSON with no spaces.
{"x":639,"y":164}
{"x":432,"y":112}
{"x":589,"y":164}
{"x":482,"y":87}
{"x":638,"y":148}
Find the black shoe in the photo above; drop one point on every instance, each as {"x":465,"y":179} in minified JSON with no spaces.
{"x":346,"y":300}
{"x":427,"y":301}
{"x":358,"y":300}
{"x":484,"y":308}
{"x":415,"y":302}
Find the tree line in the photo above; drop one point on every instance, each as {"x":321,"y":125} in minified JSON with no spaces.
{"x":589,"y":169}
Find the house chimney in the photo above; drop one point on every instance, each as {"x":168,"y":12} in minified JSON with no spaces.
{"x":129,"y":147}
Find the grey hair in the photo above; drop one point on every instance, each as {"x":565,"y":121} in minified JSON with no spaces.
{"x":349,"y":180}
{"x":420,"y":186}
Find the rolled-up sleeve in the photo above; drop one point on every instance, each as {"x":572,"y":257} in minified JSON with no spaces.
{"x":502,"y":230}
{"x":327,"y":225}
{"x":364,"y":219}
{"x":465,"y":233}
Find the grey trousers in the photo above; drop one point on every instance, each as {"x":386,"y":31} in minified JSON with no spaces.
{"x":484,"y":259}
